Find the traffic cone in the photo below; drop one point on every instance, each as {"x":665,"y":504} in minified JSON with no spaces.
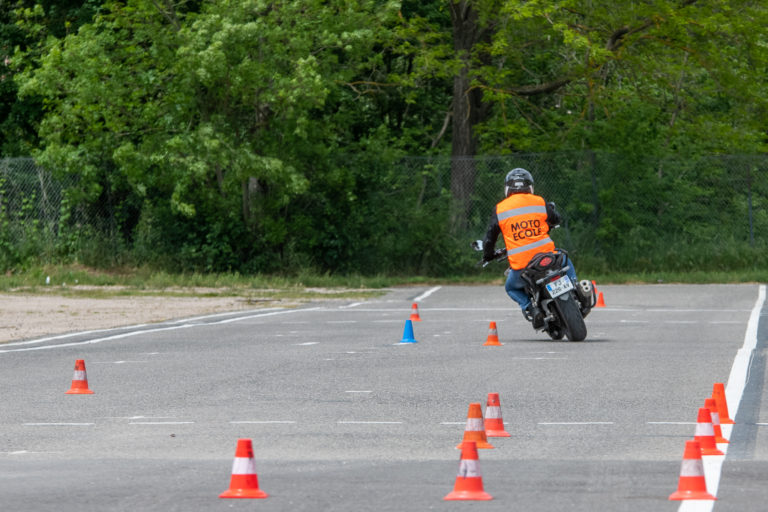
{"x":718,"y":393}
{"x":705,"y":433}
{"x":415,"y":313}
{"x":494,"y":424}
{"x":711,"y":404}
{"x":600,"y":301}
{"x":408,"y":333}
{"x":493,"y":336}
{"x":475,"y":429}
{"x":692,"y":484}
{"x":79,"y":380}
{"x":244,"y":482}
{"x":469,"y":481}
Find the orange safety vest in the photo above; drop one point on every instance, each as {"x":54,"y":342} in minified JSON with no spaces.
{"x":523,"y":223}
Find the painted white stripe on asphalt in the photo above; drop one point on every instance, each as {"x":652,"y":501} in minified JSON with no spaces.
{"x":576,"y":423}
{"x":267,"y":422}
{"x":734,"y":390}
{"x":161,"y":423}
{"x":58,"y":424}
{"x":426,"y":294}
{"x":369,"y":422}
{"x":307,"y":343}
{"x":671,"y":422}
{"x":136,"y":333}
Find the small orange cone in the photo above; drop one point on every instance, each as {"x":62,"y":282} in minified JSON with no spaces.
{"x":705,"y":433}
{"x":600,"y":301}
{"x":718,"y":393}
{"x":469,"y":481}
{"x":692,"y":484}
{"x":711,"y":404}
{"x":244,"y":482}
{"x":493,"y":336}
{"x":415,"y":313}
{"x":79,"y":380}
{"x":494,"y":423}
{"x":475,"y":429}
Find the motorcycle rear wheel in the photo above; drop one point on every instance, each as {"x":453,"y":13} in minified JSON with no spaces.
{"x":575,"y":328}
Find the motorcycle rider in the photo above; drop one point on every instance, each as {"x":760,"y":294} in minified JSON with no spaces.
{"x":524,"y":220}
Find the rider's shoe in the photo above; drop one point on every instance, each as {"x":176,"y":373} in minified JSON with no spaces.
{"x":586,"y":293}
{"x":535,"y":316}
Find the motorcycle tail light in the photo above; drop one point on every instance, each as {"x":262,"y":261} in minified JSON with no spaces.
{"x":545,"y":261}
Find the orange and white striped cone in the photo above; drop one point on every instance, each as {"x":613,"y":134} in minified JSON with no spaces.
{"x":600,"y":301}
{"x":711,"y":404}
{"x":469,"y":481}
{"x":79,"y":380}
{"x":718,"y":393}
{"x":692,"y":484}
{"x":415,"y":313}
{"x":494,"y":423}
{"x":493,"y":336}
{"x":475,"y":429}
{"x":244,"y":482}
{"x":705,"y":433}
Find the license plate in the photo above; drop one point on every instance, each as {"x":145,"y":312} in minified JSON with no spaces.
{"x":559,"y":287}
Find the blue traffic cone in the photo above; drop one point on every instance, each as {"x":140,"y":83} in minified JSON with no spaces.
{"x":408,"y":333}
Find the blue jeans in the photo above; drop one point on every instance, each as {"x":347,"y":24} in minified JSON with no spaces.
{"x":515,"y":286}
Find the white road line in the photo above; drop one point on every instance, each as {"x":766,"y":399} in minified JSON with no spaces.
{"x":734,"y":390}
{"x":341,"y":321}
{"x":306,"y":343}
{"x":137,"y":333}
{"x":369,"y":422}
{"x":576,"y":423}
{"x":265,"y":422}
{"x":161,"y":423}
{"x":58,"y":424}
{"x":115,"y":362}
{"x":426,"y":294}
{"x":23,"y":452}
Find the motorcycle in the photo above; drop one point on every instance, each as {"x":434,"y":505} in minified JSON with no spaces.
{"x":554,"y":297}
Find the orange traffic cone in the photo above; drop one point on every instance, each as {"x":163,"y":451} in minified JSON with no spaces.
{"x":493,"y":336}
{"x":244,"y":482}
{"x":475,"y":429}
{"x":494,"y":424}
{"x":692,"y":484}
{"x":415,"y":313}
{"x":718,"y":393}
{"x":469,"y":481}
{"x":600,"y":301}
{"x":79,"y":380}
{"x":705,"y":433}
{"x":711,"y":404}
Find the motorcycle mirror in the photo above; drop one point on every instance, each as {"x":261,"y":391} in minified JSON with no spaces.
{"x":477,"y":245}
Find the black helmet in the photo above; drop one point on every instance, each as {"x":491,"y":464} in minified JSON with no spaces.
{"x":518,"y":181}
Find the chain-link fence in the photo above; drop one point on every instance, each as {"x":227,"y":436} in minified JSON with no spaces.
{"x":609,"y":200}
{"x":611,"y":204}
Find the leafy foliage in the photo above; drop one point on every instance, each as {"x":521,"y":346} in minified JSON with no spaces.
{"x":256,"y":135}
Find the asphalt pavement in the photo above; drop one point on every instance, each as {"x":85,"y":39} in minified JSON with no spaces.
{"x":344,"y":417}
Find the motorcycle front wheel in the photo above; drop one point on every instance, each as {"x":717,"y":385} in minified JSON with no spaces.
{"x":575,"y":328}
